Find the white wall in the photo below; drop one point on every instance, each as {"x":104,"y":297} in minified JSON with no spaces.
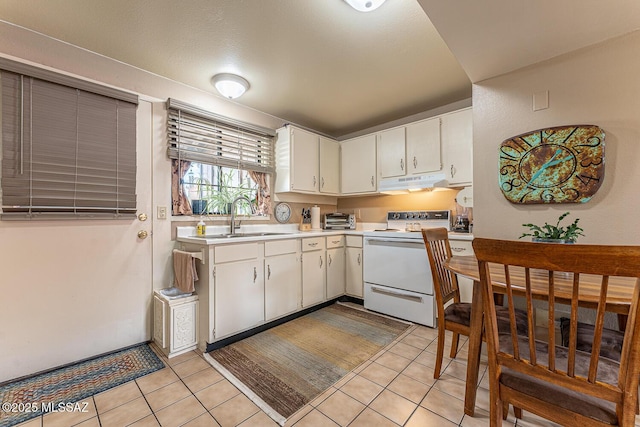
{"x":61,"y":293}
{"x":598,"y":85}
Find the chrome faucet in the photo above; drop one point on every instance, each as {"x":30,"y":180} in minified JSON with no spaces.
{"x":233,"y":211}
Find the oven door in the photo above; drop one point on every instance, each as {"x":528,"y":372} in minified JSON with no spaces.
{"x":399,"y":263}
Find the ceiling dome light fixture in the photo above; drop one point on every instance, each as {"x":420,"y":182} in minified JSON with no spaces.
{"x":365,"y":5}
{"x":230,"y":85}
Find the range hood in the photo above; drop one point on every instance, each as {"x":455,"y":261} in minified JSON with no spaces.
{"x":406,"y":184}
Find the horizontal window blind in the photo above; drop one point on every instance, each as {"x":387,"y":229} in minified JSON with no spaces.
{"x":66,"y":152}
{"x":204,"y":137}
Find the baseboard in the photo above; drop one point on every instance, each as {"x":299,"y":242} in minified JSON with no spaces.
{"x":246,"y":334}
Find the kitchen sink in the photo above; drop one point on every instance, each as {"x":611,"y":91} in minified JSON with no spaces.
{"x":236,"y":235}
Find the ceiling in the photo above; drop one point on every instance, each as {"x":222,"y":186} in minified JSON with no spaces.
{"x":322,"y":65}
{"x":319,"y":64}
{"x":493,"y":37}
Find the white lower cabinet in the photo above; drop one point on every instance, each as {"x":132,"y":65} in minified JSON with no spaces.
{"x":313,"y":271}
{"x":335,"y":266}
{"x":353,"y":267}
{"x":283,"y":281}
{"x":239,"y":294}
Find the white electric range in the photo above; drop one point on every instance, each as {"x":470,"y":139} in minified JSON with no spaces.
{"x":397,"y":276}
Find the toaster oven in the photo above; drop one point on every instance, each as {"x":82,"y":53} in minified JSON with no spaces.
{"x":339,"y":221}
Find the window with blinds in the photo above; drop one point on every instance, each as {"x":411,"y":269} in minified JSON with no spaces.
{"x":200,"y":136}
{"x":68,"y":147}
{"x":215,"y":160}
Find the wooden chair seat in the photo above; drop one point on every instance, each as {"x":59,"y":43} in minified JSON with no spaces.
{"x":461,"y":313}
{"x":610,"y":344}
{"x":561,"y":397}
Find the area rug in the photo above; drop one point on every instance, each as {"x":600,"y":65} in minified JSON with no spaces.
{"x":285,"y":367}
{"x":33,"y":396}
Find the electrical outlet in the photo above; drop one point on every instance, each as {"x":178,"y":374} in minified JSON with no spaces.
{"x":162,"y":212}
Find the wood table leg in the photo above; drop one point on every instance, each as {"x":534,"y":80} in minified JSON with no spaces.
{"x":475,"y":347}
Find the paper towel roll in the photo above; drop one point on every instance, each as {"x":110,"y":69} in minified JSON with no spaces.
{"x":315,"y":218}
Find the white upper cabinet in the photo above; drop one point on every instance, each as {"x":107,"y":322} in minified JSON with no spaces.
{"x":329,"y":166}
{"x":306,"y":162}
{"x":457,"y":147}
{"x":297,"y":160}
{"x":391,"y":153}
{"x":358,"y":165}
{"x":409,"y":150}
{"x":423,"y":146}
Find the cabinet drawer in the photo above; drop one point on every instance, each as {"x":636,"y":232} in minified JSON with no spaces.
{"x":461,"y":247}
{"x":312,"y":244}
{"x":354,"y":241}
{"x":335,"y":242}
{"x":280,"y":247}
{"x":228,"y":253}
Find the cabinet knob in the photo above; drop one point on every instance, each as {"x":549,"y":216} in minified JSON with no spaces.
{"x":452,"y":172}
{"x":142,"y":234}
{"x":255,"y":274}
{"x":268,"y":272}
{"x":372,"y":180}
{"x":321,"y":261}
{"x":329,"y":263}
{"x":402,"y":164}
{"x":322,"y":182}
{"x":358,"y":259}
{"x":415,"y":162}
{"x":314,"y":181}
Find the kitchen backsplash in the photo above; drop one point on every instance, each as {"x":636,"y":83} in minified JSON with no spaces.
{"x":375,"y":208}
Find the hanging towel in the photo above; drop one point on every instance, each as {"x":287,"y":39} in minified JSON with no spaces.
{"x":184,"y":269}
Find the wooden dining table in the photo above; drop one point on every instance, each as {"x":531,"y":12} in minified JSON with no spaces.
{"x":618,"y":301}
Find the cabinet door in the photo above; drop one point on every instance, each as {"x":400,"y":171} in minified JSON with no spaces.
{"x":305,"y":160}
{"x":329,"y":166}
{"x":457,"y":147}
{"x":355,"y":285}
{"x":358,"y":165}
{"x":313,"y":277}
{"x":239,"y":296}
{"x":335,"y":272}
{"x":423,"y":147}
{"x":391,"y":153}
{"x":282,"y":285}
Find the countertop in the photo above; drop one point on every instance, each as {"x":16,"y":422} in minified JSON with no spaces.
{"x":289,"y":231}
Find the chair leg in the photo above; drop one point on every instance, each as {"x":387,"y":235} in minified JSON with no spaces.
{"x":454,"y":345}
{"x":517,"y":412}
{"x":439,"y":353}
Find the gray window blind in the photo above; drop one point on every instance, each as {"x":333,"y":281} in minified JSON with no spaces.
{"x":204,"y":137}
{"x":66,"y":152}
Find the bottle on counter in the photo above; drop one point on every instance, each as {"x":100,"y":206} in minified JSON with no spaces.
{"x":201,"y":228}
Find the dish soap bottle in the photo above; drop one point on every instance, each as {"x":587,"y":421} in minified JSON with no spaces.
{"x":201,"y":228}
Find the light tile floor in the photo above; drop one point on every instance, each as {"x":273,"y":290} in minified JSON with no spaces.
{"x":393,"y":388}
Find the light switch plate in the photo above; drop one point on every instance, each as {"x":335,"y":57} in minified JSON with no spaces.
{"x":541,"y":100}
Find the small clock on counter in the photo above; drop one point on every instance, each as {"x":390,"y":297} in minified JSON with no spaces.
{"x":282,"y":212}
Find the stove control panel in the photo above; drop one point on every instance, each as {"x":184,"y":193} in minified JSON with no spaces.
{"x":419,"y":215}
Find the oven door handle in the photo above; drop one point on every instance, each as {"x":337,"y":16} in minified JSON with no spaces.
{"x":396,"y":294}
{"x":393,"y":242}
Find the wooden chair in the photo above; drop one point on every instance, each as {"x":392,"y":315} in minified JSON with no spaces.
{"x":562,"y":384}
{"x":456,"y":316}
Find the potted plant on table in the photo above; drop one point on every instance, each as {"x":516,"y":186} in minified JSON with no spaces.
{"x":554,"y":233}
